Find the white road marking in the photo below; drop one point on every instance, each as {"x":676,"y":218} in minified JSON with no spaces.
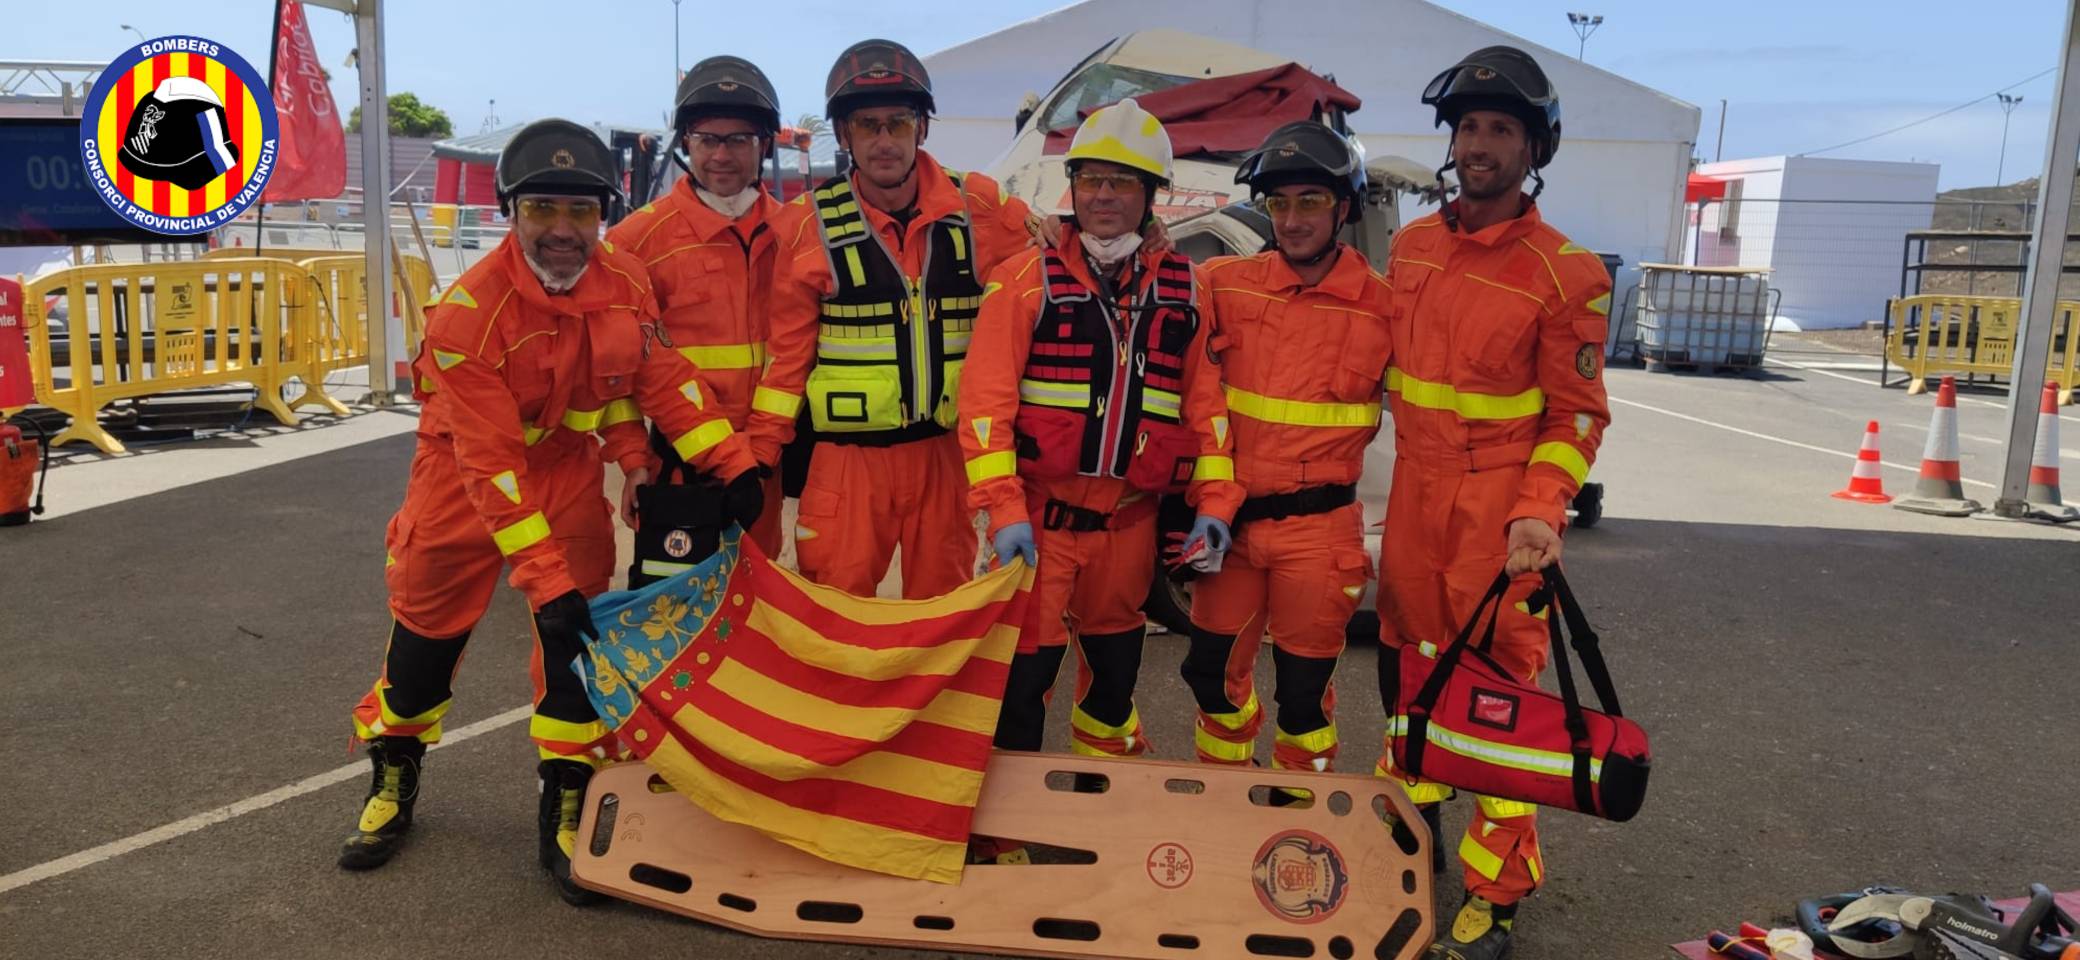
{"x":1871,"y":381}
{"x":1774,"y":439}
{"x":239,"y":808}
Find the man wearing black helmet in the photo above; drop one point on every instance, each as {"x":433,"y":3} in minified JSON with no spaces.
{"x":710,"y":248}
{"x":871,"y":321}
{"x":1305,"y":361}
{"x":1499,"y":406}
{"x":529,"y":355}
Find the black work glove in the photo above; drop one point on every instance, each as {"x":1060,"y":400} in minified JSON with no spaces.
{"x":562,"y":624}
{"x":745,"y":498}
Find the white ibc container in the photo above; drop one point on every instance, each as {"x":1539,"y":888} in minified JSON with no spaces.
{"x":1710,"y":316}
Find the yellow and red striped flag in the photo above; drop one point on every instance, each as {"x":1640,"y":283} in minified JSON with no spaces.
{"x":853,"y":728}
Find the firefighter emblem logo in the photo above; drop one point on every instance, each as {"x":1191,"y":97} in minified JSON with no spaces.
{"x":1300,"y":876}
{"x":1483,"y":73}
{"x":562,"y":160}
{"x":1170,"y":865}
{"x":1585,"y":361}
{"x":678,"y":543}
{"x":179,"y":135}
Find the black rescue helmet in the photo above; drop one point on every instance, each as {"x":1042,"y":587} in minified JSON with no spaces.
{"x":1504,"y":79}
{"x":876,"y":73}
{"x":727,"y":87}
{"x":1307,"y":151}
{"x":555,"y":157}
{"x":178,"y":135}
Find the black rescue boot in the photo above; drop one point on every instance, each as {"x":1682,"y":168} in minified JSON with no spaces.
{"x":387,"y":813}
{"x":1481,"y":931}
{"x":563,"y":801}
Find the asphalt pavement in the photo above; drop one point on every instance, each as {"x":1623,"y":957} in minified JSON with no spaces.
{"x":1838,"y":694}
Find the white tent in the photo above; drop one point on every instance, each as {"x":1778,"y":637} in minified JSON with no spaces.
{"x":1616,"y":186}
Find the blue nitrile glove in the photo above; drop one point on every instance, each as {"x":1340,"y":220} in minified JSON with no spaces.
{"x":1016,"y":540}
{"x":1215,"y":534}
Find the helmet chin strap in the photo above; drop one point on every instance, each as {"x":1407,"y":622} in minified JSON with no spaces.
{"x":1320,"y":255}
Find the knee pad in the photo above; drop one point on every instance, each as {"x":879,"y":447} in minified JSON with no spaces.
{"x":419,"y":669}
{"x":1114,"y":660}
{"x":1021,"y":721}
{"x":1303,"y":683}
{"x":1205,"y":670}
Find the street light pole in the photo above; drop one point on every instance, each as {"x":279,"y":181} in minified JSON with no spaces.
{"x":140,"y":34}
{"x":2007,"y":110}
{"x":676,"y":62}
{"x":1584,"y":24}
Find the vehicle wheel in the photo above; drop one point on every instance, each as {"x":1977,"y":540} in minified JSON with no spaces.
{"x":1169,"y":603}
{"x":1588,"y":505}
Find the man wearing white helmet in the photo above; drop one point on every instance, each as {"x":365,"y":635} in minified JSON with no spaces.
{"x":1089,"y":392}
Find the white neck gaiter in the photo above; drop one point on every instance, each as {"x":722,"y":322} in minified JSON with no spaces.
{"x":731,"y":206}
{"x":1110,"y":252}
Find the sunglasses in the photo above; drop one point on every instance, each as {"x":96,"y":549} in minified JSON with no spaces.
{"x":899,"y":126}
{"x":717,"y":141}
{"x":541,"y":211}
{"x":1278,"y":205}
{"x":1092,"y":181}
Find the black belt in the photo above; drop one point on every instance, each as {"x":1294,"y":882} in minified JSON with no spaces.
{"x":1061,"y":515}
{"x":1299,"y":503}
{"x":921,"y":430}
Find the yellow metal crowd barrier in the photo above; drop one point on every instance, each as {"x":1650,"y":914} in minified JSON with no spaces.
{"x":133,"y":330}
{"x":1934,"y":334}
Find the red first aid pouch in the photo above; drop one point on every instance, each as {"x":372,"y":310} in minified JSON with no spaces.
{"x":1462,"y":720}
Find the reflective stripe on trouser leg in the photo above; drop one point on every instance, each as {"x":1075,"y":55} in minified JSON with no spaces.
{"x":1419,"y":792}
{"x":1022,"y":721}
{"x":414,"y":691}
{"x":1104,"y":722}
{"x":1223,"y":731}
{"x":1503,"y":861}
{"x":564,"y":726}
{"x":1306,"y":711}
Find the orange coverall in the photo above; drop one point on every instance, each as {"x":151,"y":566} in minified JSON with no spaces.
{"x":713,"y":276}
{"x":1498,"y":403}
{"x":1089,"y":584}
{"x":1305,"y":368}
{"x":515,"y":382}
{"x":861,"y":502}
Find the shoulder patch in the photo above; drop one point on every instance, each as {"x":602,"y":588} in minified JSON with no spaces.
{"x":647,"y":208}
{"x":446,"y":360}
{"x":1573,"y":247}
{"x":981,"y":427}
{"x":993,"y":287}
{"x":604,"y":245}
{"x":1601,"y":305}
{"x":459,"y":296}
{"x":1585,"y":360}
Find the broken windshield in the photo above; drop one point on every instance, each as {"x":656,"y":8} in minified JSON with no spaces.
{"x":1099,"y":85}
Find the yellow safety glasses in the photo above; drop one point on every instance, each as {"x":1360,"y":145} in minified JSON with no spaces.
{"x":1278,"y":205}
{"x":542,"y":211}
{"x":1092,"y":181}
{"x":899,"y":126}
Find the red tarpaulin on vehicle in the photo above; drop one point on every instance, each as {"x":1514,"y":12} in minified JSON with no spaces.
{"x":1701,"y":187}
{"x":1232,"y":114}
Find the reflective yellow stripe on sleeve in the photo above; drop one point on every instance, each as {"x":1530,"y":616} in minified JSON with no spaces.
{"x":522,"y":535}
{"x":1472,"y":406}
{"x":779,"y":403}
{"x":1301,"y":413}
{"x":1213,"y":468}
{"x":1563,"y":455}
{"x":990,"y":466}
{"x":701,"y":439}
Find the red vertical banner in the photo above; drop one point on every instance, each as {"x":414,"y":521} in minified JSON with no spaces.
{"x":312,"y":161}
{"x":16,"y":389}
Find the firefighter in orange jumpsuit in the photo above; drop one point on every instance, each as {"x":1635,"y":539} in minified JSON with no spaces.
{"x":533,"y":351}
{"x":1089,"y":392}
{"x":1305,"y":364}
{"x":871,"y":321}
{"x":1498,"y":404}
{"x":710,"y":247}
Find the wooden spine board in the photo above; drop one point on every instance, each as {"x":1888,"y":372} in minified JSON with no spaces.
{"x":1136,"y":828}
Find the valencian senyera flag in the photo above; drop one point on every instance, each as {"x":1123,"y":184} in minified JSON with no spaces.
{"x":853,"y":728}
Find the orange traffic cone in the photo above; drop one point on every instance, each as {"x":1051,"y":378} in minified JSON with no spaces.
{"x":1866,"y":484}
{"x":1940,"y":488}
{"x":2043,"y":498}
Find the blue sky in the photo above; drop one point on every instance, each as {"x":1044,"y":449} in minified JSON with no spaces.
{"x":1798,"y":76}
